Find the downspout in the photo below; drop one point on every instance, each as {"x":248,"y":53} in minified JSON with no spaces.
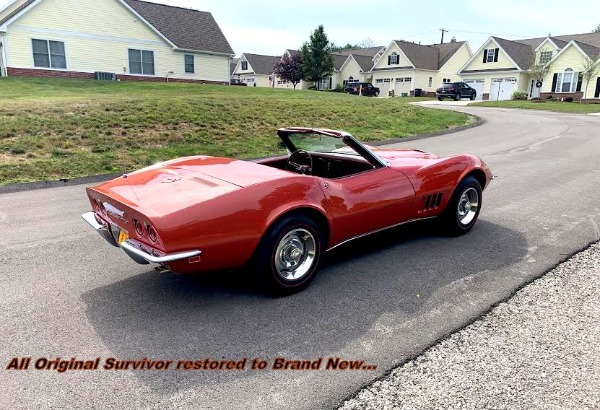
{"x":3,"y":69}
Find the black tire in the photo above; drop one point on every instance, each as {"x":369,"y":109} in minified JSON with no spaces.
{"x":440,"y":98}
{"x":376,"y":93}
{"x":457,"y":97}
{"x":297,"y":240}
{"x":473,"y":96}
{"x":459,"y":216}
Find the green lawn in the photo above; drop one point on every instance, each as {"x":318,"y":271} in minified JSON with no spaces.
{"x":557,"y":106}
{"x":53,"y":129}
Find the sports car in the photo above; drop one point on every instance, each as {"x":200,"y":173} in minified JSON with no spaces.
{"x":277,"y":216}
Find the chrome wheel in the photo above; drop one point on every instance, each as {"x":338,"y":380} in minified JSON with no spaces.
{"x":295,"y":254}
{"x":468,"y":205}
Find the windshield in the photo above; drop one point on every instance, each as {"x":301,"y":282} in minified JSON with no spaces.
{"x":314,"y":142}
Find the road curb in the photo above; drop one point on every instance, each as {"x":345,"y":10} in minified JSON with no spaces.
{"x":31,"y":186}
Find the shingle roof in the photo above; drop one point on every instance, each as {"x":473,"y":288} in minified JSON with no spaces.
{"x":365,"y":62}
{"x":16,"y":11}
{"x":232,"y":64}
{"x":186,"y":28}
{"x":522,"y":54}
{"x":593,"y":39}
{"x":262,"y":64}
{"x":368,"y":51}
{"x":591,"y":51}
{"x":429,"y":57}
{"x":338,"y":60}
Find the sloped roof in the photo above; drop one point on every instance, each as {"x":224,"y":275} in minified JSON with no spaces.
{"x":368,"y":51}
{"x":262,"y":64}
{"x":365,"y":62}
{"x":186,"y":28}
{"x":593,"y":39}
{"x":591,"y":51}
{"x":522,"y":54}
{"x":429,"y":57}
{"x":16,"y":11}
{"x":339,"y":60}
{"x":232,"y":64}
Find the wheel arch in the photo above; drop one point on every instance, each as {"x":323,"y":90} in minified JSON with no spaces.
{"x":315,"y":214}
{"x":478,"y":174}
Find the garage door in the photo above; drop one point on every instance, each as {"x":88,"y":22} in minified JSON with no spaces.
{"x":384,"y":85}
{"x":502,"y":88}
{"x":402,"y":85}
{"x":478,"y":86}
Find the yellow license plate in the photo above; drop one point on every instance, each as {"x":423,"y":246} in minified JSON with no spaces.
{"x":123,"y":236}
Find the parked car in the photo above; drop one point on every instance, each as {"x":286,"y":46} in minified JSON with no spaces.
{"x":456,"y":91}
{"x":235,"y":81}
{"x":278,"y":215}
{"x":367,"y":89}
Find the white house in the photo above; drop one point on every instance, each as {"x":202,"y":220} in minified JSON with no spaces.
{"x":109,"y":39}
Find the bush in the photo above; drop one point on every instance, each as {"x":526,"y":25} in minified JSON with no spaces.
{"x":519,"y":95}
{"x":339,"y":88}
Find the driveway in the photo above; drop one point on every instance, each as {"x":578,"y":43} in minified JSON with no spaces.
{"x":66,"y":294}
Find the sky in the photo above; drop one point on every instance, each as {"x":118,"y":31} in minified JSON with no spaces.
{"x":270,"y":27}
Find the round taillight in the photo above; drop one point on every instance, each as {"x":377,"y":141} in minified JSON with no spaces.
{"x":152,"y":233}
{"x":138,"y":227}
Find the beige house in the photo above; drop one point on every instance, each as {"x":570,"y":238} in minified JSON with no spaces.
{"x":404,"y":66}
{"x":112,"y":39}
{"x":500,"y":67}
{"x":351,"y":66}
{"x":280,"y":83}
{"x":256,"y":70}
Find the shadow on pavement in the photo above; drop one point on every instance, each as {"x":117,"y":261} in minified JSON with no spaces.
{"x":220,"y":316}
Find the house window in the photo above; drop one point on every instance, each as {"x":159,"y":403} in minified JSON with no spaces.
{"x":189,"y":63}
{"x":387,"y":80}
{"x":399,"y":80}
{"x":379,"y":81}
{"x":350,"y":80}
{"x":50,"y":54}
{"x":141,"y":62}
{"x":244,"y":65}
{"x":545,"y":57}
{"x":407,"y":79}
{"x":446,"y":80}
{"x":490,"y":55}
{"x":393,"y":59}
{"x":430,"y":81}
{"x":566,"y":82}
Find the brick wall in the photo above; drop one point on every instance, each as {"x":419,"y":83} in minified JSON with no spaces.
{"x":562,"y":96}
{"x":28,"y":72}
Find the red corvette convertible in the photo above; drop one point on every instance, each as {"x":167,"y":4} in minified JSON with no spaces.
{"x":278,"y":215}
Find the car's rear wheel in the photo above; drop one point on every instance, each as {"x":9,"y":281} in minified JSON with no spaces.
{"x":287,"y":258}
{"x":457,"y":97}
{"x":464,"y":206}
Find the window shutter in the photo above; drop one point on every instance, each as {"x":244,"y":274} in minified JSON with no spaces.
{"x":389,"y":60}
{"x":597,"y":93}
{"x":496,"y":55}
{"x":330,"y":82}
{"x":579,"y":81}
{"x":554,"y":79}
{"x":485,"y":56}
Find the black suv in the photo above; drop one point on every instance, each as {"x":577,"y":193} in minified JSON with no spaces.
{"x":455,"y":91}
{"x":367,"y":89}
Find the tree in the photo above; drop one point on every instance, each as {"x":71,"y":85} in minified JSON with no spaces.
{"x":453,"y":40}
{"x":290,"y":69}
{"x":366,"y":43}
{"x":597,"y":29}
{"x":317,"y":61}
{"x":589,"y":71}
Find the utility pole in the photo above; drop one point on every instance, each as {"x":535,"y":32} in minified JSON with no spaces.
{"x":443,"y":31}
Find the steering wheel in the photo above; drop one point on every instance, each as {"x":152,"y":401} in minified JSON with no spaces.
{"x":301,"y":161}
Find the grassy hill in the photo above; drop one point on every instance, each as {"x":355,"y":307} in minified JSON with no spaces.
{"x":53,"y":129}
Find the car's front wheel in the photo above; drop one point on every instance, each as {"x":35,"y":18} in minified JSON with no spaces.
{"x":463,"y":208}
{"x":287,"y":258}
{"x":457,"y":97}
{"x":440,"y":98}
{"x":473,"y":96}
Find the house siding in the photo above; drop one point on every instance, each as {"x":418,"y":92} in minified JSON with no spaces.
{"x":502,"y":64}
{"x":97,"y":36}
{"x":570,"y":58}
{"x":350,"y":69}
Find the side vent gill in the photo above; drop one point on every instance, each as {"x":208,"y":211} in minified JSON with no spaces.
{"x":432,"y":201}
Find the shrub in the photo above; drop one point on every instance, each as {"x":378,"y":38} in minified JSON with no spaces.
{"x":339,"y":88}
{"x":519,"y":95}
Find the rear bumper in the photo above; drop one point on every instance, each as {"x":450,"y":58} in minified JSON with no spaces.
{"x":129,"y":247}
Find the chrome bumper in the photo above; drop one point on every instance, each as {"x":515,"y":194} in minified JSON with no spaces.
{"x":130,"y":249}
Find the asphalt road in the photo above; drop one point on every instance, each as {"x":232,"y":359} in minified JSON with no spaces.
{"x":65,"y":293}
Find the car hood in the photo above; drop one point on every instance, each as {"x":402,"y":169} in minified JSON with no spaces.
{"x":183,"y":182}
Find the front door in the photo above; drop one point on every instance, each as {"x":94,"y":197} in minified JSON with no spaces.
{"x":368,"y":201}
{"x":534,"y":90}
